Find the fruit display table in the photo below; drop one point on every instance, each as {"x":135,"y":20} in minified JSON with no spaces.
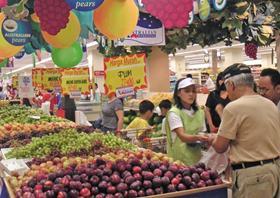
{"x":119,"y":173}
{"x":218,"y":191}
{"x":7,"y":191}
{"x":13,"y":102}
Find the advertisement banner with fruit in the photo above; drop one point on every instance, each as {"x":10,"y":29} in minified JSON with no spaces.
{"x":51,"y":78}
{"x":25,"y":87}
{"x":75,"y":81}
{"x":37,"y":77}
{"x":15,"y":82}
{"x":148,"y":32}
{"x":125,"y":71}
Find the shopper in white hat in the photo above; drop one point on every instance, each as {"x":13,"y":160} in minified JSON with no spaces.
{"x":184,"y":122}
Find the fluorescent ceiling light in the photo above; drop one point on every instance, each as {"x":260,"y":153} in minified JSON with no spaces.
{"x":92,"y":44}
{"x":211,"y":48}
{"x":253,"y":62}
{"x":29,"y":66}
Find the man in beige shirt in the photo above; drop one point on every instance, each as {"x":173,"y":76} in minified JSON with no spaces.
{"x":250,"y":127}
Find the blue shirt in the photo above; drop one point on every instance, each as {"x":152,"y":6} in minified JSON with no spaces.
{"x":2,"y":96}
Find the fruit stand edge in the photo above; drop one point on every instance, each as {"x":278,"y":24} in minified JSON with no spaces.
{"x":191,"y":192}
{"x":9,"y":189}
{"x":166,"y":195}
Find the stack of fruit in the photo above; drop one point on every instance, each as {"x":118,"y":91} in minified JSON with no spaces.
{"x":155,"y":98}
{"x":23,"y":115}
{"x":70,"y":143}
{"x":18,"y":124}
{"x":13,"y":135}
{"x":4,"y":103}
{"x":135,"y":176}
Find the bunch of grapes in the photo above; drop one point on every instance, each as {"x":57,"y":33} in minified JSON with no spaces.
{"x":53,"y":15}
{"x":251,"y":50}
{"x":70,"y":143}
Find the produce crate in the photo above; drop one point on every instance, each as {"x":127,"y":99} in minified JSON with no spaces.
{"x":157,"y":144}
{"x":217,"y":191}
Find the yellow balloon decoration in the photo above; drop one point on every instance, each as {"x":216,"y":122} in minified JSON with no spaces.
{"x":6,"y":49}
{"x":116,"y":18}
{"x":67,"y":36}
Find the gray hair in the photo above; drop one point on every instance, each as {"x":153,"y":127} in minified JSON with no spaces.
{"x":243,"y":80}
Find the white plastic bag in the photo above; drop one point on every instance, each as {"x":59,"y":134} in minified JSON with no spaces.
{"x":215,"y":161}
{"x":46,"y":107}
{"x":81,"y":119}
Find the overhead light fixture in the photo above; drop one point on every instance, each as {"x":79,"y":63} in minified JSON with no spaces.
{"x":29,"y":66}
{"x":92,"y":44}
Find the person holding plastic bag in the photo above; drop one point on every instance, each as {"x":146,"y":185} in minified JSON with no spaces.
{"x":183,"y":123}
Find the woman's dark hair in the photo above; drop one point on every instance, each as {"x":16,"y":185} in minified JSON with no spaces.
{"x":177,"y":99}
{"x":222,"y":87}
{"x":219,"y":77}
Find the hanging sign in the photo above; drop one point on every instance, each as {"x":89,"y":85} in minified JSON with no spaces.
{"x":25,"y":87}
{"x":17,"y":32}
{"x":125,"y":71}
{"x":84,"y":5}
{"x":20,"y":54}
{"x":37,"y":77}
{"x":15,"y":82}
{"x":75,"y":81}
{"x":99,"y":73}
{"x":148,"y":32}
{"x":124,"y":92}
{"x":51,"y":78}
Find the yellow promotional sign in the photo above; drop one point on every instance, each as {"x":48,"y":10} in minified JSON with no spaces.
{"x":15,"y":82}
{"x":51,"y":78}
{"x":37,"y":77}
{"x":75,"y":81}
{"x":125,"y":71}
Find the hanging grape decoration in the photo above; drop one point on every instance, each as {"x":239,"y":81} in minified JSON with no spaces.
{"x":251,"y":50}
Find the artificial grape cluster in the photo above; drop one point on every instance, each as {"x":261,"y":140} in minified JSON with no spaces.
{"x":251,"y":50}
{"x":171,"y":13}
{"x":53,"y":15}
{"x":70,"y":143}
